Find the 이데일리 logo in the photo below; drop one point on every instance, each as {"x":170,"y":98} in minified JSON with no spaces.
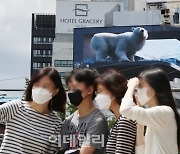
{"x":81,"y":10}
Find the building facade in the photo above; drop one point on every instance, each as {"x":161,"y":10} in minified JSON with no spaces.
{"x":114,"y":13}
{"x":62,"y":58}
{"x":43,"y":34}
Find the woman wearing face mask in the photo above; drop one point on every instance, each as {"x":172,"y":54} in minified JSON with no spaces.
{"x":161,"y":118}
{"x":31,"y":125}
{"x":111,"y":87}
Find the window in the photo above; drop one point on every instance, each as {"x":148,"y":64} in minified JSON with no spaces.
{"x":46,"y":64}
{"x":46,"y":40}
{"x":63,"y":74}
{"x":49,"y":53}
{"x":36,"y":53}
{"x":42,"y":53}
{"x":49,"y":64}
{"x":51,"y":40}
{"x":63,"y":63}
{"x":37,"y":65}
{"x":43,"y":40}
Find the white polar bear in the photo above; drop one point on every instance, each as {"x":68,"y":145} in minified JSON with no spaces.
{"x":119,"y":47}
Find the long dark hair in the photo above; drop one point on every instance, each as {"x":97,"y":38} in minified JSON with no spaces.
{"x":158,"y":80}
{"x":115,"y":82}
{"x":58,"y":102}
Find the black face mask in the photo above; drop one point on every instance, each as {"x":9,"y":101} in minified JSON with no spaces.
{"x":75,"y":97}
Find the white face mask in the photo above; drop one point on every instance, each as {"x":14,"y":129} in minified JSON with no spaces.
{"x":41,"y":95}
{"x":103,"y":101}
{"x":142,"y":96}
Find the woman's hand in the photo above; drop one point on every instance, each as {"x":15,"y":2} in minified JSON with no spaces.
{"x":133,"y":83}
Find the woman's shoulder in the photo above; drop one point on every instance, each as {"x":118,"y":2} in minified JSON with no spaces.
{"x":125,"y":126}
{"x":123,"y":121}
{"x":14,"y":103}
{"x":164,"y":107}
{"x":162,"y":110}
{"x":53,"y":115}
{"x":56,"y":117}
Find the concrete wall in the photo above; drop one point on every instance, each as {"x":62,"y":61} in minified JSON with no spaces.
{"x":62,"y":51}
{"x":129,"y":18}
{"x":139,"y":5}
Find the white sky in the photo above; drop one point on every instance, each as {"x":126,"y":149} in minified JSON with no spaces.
{"x":15,"y":38}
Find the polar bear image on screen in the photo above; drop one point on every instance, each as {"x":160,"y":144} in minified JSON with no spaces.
{"x":119,"y":47}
